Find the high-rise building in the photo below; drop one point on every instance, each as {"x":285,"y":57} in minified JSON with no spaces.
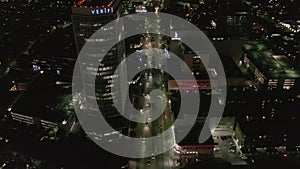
{"x":87,"y":17}
{"x":90,"y":15}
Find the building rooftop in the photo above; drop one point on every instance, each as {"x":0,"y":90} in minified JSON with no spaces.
{"x":270,"y":64}
{"x":94,"y":3}
{"x":191,"y":139}
{"x":49,"y":98}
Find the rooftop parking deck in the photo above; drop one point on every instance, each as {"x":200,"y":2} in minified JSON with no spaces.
{"x":270,"y":64}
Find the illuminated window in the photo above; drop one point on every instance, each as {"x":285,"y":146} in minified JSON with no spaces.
{"x":288,"y":84}
{"x":273,"y":83}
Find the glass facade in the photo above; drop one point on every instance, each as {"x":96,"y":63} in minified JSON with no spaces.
{"x":86,"y":21}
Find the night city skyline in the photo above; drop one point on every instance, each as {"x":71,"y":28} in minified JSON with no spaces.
{"x":160,"y":84}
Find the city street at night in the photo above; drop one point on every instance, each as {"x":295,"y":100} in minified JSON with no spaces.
{"x":149,"y":84}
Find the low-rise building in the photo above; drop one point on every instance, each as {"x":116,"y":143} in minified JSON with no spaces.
{"x":46,"y":103}
{"x":190,"y":148}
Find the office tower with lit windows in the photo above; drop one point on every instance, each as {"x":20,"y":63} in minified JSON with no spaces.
{"x":90,"y":15}
{"x":87,"y":17}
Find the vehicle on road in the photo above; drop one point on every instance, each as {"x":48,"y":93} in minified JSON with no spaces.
{"x":244,"y":157}
{"x":125,"y":166}
{"x":6,"y":140}
{"x":217,"y":149}
{"x":153,"y":157}
{"x":161,"y":128}
{"x":149,"y":162}
{"x":231,"y":150}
